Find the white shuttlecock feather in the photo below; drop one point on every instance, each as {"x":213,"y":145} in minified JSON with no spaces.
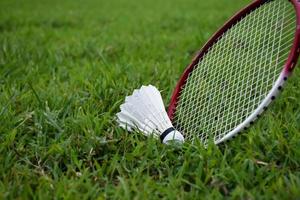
{"x":144,"y":110}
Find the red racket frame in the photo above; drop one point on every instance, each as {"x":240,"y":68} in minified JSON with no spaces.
{"x":288,"y":67}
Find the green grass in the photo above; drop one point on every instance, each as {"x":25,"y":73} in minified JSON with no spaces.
{"x":66,"y":66}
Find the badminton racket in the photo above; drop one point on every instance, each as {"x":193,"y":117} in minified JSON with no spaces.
{"x":238,"y":73}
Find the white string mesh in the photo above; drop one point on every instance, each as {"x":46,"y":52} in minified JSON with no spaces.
{"x":237,"y":73}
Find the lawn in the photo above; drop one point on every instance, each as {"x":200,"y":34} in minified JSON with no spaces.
{"x":66,"y":66}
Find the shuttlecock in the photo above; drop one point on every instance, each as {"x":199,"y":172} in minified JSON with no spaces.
{"x":144,"y":110}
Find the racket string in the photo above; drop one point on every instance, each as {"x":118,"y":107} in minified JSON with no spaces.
{"x":224,"y":88}
{"x":248,"y":61}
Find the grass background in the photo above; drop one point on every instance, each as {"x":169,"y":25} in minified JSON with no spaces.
{"x":66,"y":66}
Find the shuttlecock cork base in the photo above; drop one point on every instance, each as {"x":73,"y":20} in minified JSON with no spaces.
{"x":144,"y":110}
{"x":171,"y":134}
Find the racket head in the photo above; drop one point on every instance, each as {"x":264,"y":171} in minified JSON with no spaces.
{"x":184,"y":114}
